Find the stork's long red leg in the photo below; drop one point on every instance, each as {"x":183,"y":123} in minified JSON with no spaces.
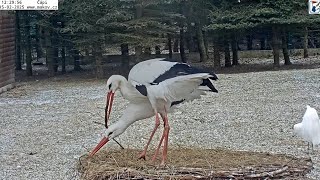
{"x":163,"y":137}
{"x":166,"y":140}
{"x":143,"y":154}
{"x":158,"y":148}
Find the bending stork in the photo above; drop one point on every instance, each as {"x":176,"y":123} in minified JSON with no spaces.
{"x":159,"y":84}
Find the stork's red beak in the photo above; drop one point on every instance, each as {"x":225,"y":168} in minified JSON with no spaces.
{"x":108,"y":107}
{"x":103,"y":141}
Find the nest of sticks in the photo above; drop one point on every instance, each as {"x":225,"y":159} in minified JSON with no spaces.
{"x":193,"y":164}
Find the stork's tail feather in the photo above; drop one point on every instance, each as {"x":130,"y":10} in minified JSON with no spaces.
{"x":214,"y":76}
{"x":208,"y":83}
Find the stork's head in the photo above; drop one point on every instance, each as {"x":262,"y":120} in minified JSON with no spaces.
{"x":113,"y":84}
{"x":113,"y":131}
{"x":297,"y":129}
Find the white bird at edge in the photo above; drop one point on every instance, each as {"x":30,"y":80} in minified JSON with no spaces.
{"x":309,"y":128}
{"x":154,"y":86}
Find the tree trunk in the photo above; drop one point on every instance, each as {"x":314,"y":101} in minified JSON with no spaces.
{"x":189,"y":39}
{"x":176,"y":45}
{"x":55,"y":43}
{"x":38,"y":44}
{"x":216,"y":54}
{"x":18,"y":42}
{"x":28,"y":45}
{"x":182,"y":51}
{"x":76,"y":59}
{"x":227,"y":54}
{"x":315,"y":41}
{"x":206,"y":43}
{"x":98,"y":57}
{"x":170,"y":45}
{"x":139,"y":10}
{"x":305,"y":43}
{"x":234,"y":47}
{"x":55,"y":54}
{"x":262,"y":43}
{"x":138,"y":53}
{"x":147,"y":51}
{"x":87,"y":52}
{"x":138,"y":14}
{"x":125,"y":58}
{"x":285,"y":48}
{"x":276,"y":46}
{"x":49,"y":53}
{"x":158,"y":51}
{"x":186,"y":10}
{"x":249,"y":42}
{"x":201,"y":46}
{"x":183,"y":11}
{"x":23,"y":53}
{"x":63,"y":60}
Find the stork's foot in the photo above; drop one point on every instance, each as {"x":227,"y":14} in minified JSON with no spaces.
{"x":142,"y":155}
{"x":163,"y":164}
{"x":154,"y":158}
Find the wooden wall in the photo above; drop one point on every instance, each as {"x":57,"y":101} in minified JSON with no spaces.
{"x":7,"y":51}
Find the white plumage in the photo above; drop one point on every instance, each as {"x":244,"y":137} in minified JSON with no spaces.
{"x":159,"y":85}
{"x":162,"y":79}
{"x":146,"y":72}
{"x":309,"y":128}
{"x":179,"y":88}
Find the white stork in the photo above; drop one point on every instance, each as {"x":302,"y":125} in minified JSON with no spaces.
{"x":154,"y":86}
{"x":309,"y":128}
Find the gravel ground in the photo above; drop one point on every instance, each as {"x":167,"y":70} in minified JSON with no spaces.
{"x":47,"y":125}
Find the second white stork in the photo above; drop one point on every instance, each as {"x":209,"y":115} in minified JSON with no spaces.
{"x":161,"y":84}
{"x":309,"y":128}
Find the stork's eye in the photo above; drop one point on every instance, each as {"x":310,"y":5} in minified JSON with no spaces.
{"x":110,"y":133}
{"x":110,"y":86}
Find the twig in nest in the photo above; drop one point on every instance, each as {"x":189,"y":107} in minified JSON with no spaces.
{"x":270,"y":174}
{"x":118,"y":143}
{"x":115,"y":160}
{"x":98,"y":123}
{"x":80,"y":162}
{"x":85,"y":148}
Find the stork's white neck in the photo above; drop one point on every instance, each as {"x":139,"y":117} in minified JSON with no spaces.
{"x":125,"y":88}
{"x":129,"y":92}
{"x":120,"y":126}
{"x":131,"y":114}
